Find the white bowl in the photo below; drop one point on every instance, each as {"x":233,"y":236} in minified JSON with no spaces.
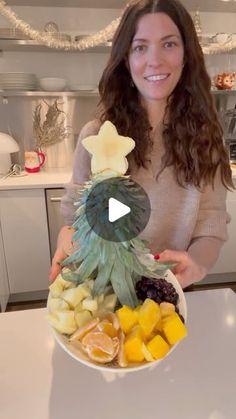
{"x":52,"y":84}
{"x":79,"y":356}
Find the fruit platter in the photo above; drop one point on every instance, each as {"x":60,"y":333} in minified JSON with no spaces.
{"x":114,"y":306}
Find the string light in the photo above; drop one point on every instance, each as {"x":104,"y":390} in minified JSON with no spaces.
{"x":92,"y":41}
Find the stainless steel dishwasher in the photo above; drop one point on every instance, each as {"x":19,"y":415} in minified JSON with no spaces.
{"x":55,"y":219}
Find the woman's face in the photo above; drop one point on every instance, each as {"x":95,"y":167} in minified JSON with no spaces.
{"x":156,"y":57}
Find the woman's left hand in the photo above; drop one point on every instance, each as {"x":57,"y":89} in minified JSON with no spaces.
{"x":187,"y":271}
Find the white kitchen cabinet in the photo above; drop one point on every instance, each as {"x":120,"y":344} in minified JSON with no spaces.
{"x":25,"y":237}
{"x":4,"y":285}
{"x":225,"y":268}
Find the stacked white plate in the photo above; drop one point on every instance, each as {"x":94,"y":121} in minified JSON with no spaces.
{"x":18,"y":81}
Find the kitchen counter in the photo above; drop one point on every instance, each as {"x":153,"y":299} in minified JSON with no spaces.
{"x":198,"y":380}
{"x":44,"y":179}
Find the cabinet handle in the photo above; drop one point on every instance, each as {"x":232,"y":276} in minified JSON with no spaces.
{"x":55,"y":199}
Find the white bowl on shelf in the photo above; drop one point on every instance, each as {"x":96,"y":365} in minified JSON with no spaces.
{"x":52,"y":84}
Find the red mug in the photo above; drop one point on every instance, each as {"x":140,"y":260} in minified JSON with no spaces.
{"x":34,"y":161}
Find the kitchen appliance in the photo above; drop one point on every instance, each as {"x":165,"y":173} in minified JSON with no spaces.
{"x":7,"y":146}
{"x":230,"y":133}
{"x":55,"y":219}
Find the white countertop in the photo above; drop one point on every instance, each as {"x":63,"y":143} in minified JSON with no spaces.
{"x":197,"y":381}
{"x":53,"y":179}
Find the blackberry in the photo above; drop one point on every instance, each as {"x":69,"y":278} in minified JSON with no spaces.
{"x":157,"y":289}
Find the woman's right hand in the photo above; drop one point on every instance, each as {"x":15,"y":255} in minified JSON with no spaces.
{"x":64,"y":246}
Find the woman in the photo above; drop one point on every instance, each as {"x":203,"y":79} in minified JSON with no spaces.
{"x":155,"y":89}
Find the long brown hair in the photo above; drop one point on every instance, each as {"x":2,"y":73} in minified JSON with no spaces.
{"x":193,"y":136}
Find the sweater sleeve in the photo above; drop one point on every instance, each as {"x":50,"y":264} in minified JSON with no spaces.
{"x":210,"y":231}
{"x":80,"y":174}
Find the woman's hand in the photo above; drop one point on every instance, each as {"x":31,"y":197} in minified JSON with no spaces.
{"x":64,"y":245}
{"x":187,"y":271}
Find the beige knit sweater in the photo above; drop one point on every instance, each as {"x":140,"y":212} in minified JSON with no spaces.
{"x":181,"y":219}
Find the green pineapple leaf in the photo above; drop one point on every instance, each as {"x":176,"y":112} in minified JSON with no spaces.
{"x":125,"y":293}
{"x":112,"y":264}
{"x":103,"y":277}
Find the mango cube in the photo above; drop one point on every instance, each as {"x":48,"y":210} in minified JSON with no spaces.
{"x":127,"y":318}
{"x":133,"y":346}
{"x":167,"y":309}
{"x":158,"y":347}
{"x":158,"y":327}
{"x":148,"y":316}
{"x":174,"y":329}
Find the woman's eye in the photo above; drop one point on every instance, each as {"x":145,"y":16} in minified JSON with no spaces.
{"x":139,"y":48}
{"x":170,"y":44}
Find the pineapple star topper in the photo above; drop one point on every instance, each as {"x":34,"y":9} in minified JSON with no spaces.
{"x":108,"y":149}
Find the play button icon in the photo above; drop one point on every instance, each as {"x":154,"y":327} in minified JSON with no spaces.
{"x":117,"y":209}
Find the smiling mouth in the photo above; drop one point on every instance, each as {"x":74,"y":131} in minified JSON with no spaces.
{"x":157,"y":77}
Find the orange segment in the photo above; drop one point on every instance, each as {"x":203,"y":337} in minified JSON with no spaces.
{"x":116,"y":343}
{"x":108,"y":328}
{"x":97,"y":355}
{"x":121,"y":358}
{"x":98,"y":340}
{"x":78,"y":334}
{"x":112,"y":318}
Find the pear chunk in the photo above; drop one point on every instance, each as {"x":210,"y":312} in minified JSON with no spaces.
{"x":63,"y":321}
{"x":108,"y":149}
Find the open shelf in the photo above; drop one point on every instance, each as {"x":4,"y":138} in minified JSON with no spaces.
{"x":30,"y":46}
{"x":80,"y":93}
{"x":224,"y":92}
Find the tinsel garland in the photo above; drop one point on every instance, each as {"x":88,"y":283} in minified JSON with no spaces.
{"x":89,"y":42}
{"x":98,"y":38}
